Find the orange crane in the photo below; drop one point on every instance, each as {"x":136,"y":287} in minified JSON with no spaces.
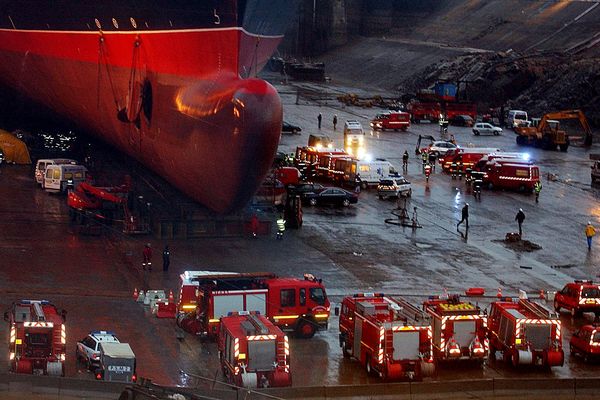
{"x":548,"y":135}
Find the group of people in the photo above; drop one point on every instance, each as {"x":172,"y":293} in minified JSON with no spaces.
{"x":320,"y":119}
{"x":147,"y":258}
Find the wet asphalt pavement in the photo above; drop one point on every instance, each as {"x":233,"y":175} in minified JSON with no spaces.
{"x":352,"y":249}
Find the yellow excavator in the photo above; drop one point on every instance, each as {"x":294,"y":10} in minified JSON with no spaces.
{"x":548,"y":135}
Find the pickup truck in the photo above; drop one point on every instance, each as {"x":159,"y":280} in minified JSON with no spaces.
{"x":394,"y":188}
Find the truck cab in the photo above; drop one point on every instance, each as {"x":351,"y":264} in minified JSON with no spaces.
{"x":585,"y":342}
{"x":578,"y":297}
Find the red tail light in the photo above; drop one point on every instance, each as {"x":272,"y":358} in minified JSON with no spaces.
{"x":98,"y":376}
{"x":134,"y":378}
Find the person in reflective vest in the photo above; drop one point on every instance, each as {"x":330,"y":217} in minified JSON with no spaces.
{"x":537,"y":188}
{"x":280,"y":227}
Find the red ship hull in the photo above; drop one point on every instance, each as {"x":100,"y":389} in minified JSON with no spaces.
{"x":173,"y":100}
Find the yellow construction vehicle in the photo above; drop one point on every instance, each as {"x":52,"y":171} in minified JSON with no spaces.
{"x":548,"y":135}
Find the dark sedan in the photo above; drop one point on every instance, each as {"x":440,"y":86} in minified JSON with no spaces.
{"x":305,"y":190}
{"x":332,"y":196}
{"x":289,"y":128}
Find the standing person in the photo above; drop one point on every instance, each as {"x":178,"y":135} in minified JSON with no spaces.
{"x":166,"y":258}
{"x":357,"y":183}
{"x":590,"y":232}
{"x":334,"y":122}
{"x":537,"y":188}
{"x":405,"y":160}
{"x":432,"y":159}
{"x":465,"y":216}
{"x":520,"y":218}
{"x":452,"y":139}
{"x":319,"y":119}
{"x":147,"y":253}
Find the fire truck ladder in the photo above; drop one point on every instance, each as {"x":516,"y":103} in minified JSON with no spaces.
{"x":537,"y":309}
{"x":39,"y":313}
{"x":253,"y":326}
{"x":406,"y":310}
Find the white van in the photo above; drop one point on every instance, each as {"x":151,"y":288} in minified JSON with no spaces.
{"x":371,"y":172}
{"x":517,"y":118}
{"x":40,"y":167}
{"x":354,"y":135}
{"x":58,"y":176}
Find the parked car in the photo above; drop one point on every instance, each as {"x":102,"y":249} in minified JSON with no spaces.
{"x":332,"y":196}
{"x":394,"y":188}
{"x":441,"y":147}
{"x":578,"y":297}
{"x":305,"y":190}
{"x":462,"y":120}
{"x":586,"y":342}
{"x":484,"y":128}
{"x":88,"y":348}
{"x":289,"y":128}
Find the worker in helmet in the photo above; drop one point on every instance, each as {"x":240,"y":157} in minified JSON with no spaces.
{"x":280,"y":227}
{"x":147,"y":254}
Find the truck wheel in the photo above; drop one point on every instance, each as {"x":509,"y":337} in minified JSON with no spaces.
{"x":364,"y":186}
{"x":368,"y":366}
{"x":409,"y":193}
{"x":556,"y":306}
{"x":492,"y":353}
{"x":306,"y":329}
{"x":572,"y":351}
{"x":127,"y":394}
{"x":564,"y":146}
{"x":347,"y":353}
{"x":380,"y":197}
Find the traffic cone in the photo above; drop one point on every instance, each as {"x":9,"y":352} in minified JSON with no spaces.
{"x":141,"y":297}
{"x":542,"y":295}
{"x":499,"y":292}
{"x":171,"y":297}
{"x":135,"y":294}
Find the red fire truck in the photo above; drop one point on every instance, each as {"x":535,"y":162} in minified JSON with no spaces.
{"x":464,"y":157}
{"x":299,"y":305}
{"x":459,"y":329}
{"x":37,"y":340}
{"x":326,"y":168}
{"x":390,"y":337}
{"x":526,"y":333}
{"x":307,"y":159}
{"x":391,"y":120}
{"x":511,"y":174}
{"x":420,"y":111}
{"x":253,"y":351}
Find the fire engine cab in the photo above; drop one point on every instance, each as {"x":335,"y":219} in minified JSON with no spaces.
{"x":299,"y":305}
{"x":390,"y":337}
{"x":253,"y":351}
{"x":37,"y":340}
{"x":586,"y":342}
{"x":526,"y":333}
{"x":578,"y":297}
{"x":459,"y":329}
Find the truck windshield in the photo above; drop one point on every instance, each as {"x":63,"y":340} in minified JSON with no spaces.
{"x":590,"y":293}
{"x":596,"y":337}
{"x":318,"y":296}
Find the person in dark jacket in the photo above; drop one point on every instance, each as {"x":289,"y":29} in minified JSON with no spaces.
{"x":520,"y":218}
{"x":334,"y":122}
{"x":465,"y":216}
{"x":147,"y":253}
{"x":319,"y":119}
{"x":166,"y":258}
